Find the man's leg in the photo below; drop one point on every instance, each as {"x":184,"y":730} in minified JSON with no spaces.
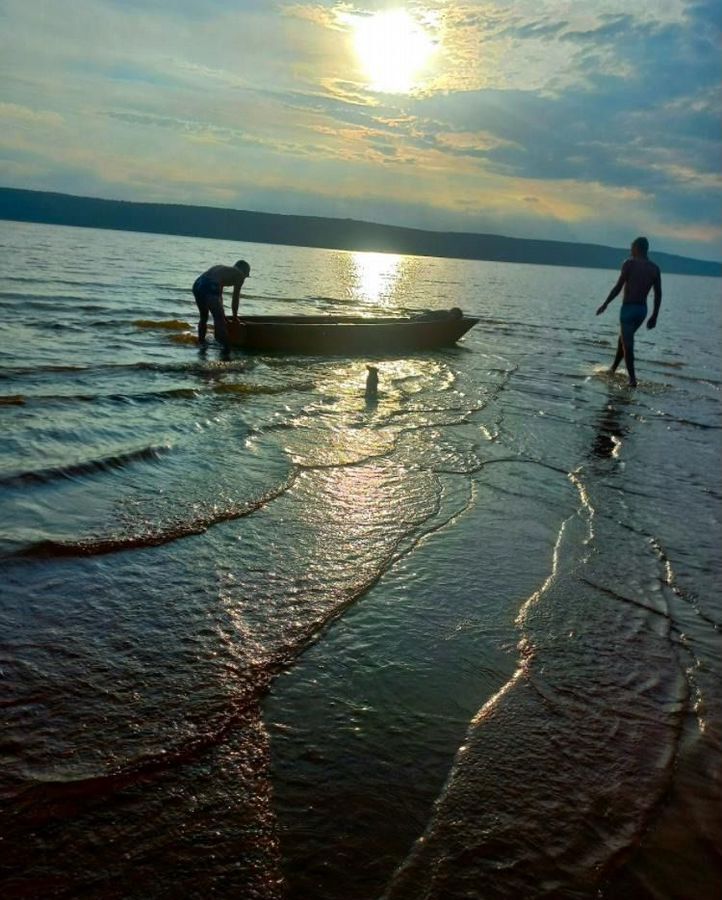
{"x":631,"y":318}
{"x":619,"y":355}
{"x":202,"y":317}
{"x":219,"y":321}
{"x":627,"y":339}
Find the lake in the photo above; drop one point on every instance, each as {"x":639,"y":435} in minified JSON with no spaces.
{"x":260,"y":638}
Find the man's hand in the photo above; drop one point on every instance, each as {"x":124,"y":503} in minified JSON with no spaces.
{"x":652,"y":322}
{"x":601,"y":309}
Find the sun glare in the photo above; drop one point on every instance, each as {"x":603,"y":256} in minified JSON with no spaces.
{"x":375,"y":276}
{"x":393,"y":49}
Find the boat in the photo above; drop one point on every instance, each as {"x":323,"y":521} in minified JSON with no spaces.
{"x":343,"y":335}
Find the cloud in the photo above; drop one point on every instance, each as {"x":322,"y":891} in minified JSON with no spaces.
{"x":471,"y":142}
{"x":536,"y":117}
{"x":13,"y":112}
{"x":655,"y":126}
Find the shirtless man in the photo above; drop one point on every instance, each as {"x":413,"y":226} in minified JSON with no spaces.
{"x":208,"y":291}
{"x":639,"y":275}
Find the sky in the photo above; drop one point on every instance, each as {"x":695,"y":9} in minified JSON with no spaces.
{"x":591,"y":122}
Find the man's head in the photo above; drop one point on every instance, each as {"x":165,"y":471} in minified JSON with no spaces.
{"x":243,"y":266}
{"x":640,"y":247}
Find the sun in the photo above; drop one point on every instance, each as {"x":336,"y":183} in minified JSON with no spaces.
{"x":393,"y":49}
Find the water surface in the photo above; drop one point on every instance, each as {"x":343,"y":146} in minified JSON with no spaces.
{"x":261,"y":638}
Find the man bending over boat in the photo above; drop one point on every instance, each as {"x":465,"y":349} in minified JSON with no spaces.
{"x":208,"y":291}
{"x":639,"y":275}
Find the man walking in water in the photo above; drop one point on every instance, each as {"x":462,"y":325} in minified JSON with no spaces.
{"x":637,"y":277}
{"x":208,"y":291}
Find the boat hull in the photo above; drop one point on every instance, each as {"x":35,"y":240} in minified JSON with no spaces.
{"x":345,"y":335}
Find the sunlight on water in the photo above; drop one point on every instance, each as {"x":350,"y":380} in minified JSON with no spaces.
{"x":375,"y":276}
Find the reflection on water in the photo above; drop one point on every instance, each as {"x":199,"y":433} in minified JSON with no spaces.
{"x":375,"y":283}
{"x":375,"y":276}
{"x":610,"y":427}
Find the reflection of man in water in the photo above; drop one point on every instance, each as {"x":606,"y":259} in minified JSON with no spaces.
{"x":610,"y":428}
{"x":208,"y":291}
{"x":639,"y":275}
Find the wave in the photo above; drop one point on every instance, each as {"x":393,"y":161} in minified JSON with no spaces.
{"x":195,"y":367}
{"x":163,"y":324}
{"x":192,"y":368}
{"x":10,"y":371}
{"x":147,"y":397}
{"x":187,"y":393}
{"x":691,"y":423}
{"x":334,"y":301}
{"x":243,"y":389}
{"x":87,"y":467}
{"x":697,"y":379}
{"x":52,"y":325}
{"x":52,"y":800}
{"x":170,"y":394}
{"x":24,"y":279}
{"x":151,"y":538}
{"x":612,"y":709}
{"x":183,"y":338}
{"x":57,"y":303}
{"x":669,"y":364}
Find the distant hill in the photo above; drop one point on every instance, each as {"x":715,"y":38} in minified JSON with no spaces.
{"x":312,"y":231}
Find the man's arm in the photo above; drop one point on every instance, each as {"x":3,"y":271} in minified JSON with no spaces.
{"x":615,"y":291}
{"x":657,"y":288}
{"x":236,"y":298}
{"x":238,"y":279}
{"x":230,"y":276}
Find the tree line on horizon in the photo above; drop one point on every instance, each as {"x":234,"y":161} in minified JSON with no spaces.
{"x":316,"y":231}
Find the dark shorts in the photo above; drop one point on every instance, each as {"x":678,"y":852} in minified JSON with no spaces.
{"x":205,"y":289}
{"x":209,"y":300}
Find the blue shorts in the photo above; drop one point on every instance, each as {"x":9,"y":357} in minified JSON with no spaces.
{"x":631,"y":316}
